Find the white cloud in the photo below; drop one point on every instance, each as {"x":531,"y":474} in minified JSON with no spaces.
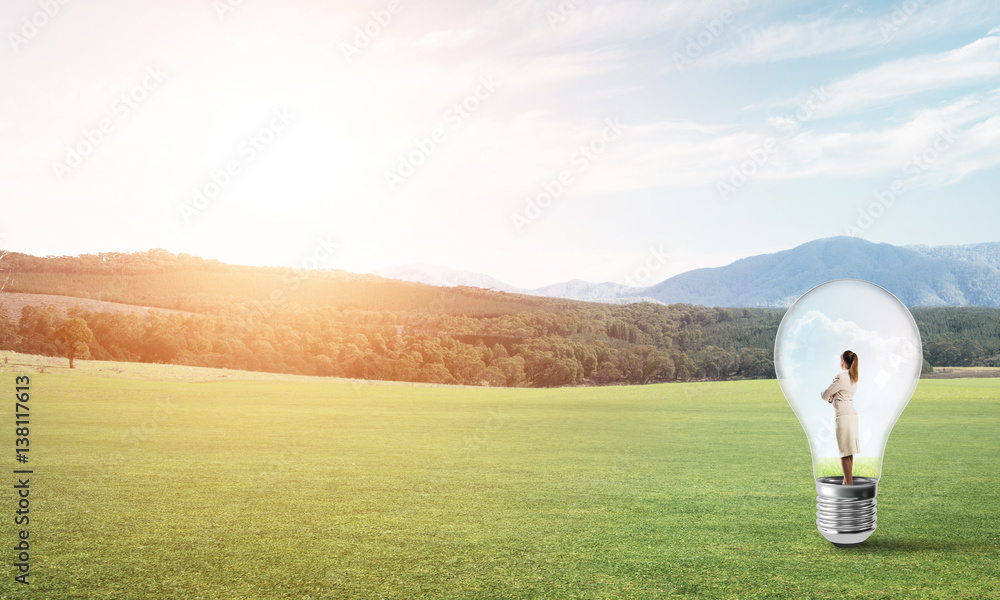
{"x":685,"y":153}
{"x":797,"y":40}
{"x":819,"y":36}
{"x":971,"y":145}
{"x":978,"y":149}
{"x":848,"y":333}
{"x":518,"y":26}
{"x":973,"y":63}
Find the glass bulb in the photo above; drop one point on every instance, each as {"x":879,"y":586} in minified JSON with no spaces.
{"x":847,"y":314}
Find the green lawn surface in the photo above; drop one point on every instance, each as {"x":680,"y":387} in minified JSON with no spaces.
{"x":175,"y":486}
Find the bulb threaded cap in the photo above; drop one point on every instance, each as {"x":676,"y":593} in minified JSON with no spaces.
{"x":845,"y":514}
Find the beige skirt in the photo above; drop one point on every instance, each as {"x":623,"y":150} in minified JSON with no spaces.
{"x":847,"y":435}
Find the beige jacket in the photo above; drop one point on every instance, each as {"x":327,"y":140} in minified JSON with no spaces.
{"x":841,"y":394}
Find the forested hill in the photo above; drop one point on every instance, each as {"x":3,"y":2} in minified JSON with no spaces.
{"x":334,"y":323}
{"x":162,"y":279}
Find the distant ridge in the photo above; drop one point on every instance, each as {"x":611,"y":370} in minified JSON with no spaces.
{"x":920,"y":276}
{"x":445,"y":277}
{"x":942,"y":276}
{"x":608,"y":292}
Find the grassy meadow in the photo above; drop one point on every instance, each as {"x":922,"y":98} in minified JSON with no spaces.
{"x":163,"y":482}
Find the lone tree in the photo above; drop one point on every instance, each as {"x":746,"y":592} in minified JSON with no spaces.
{"x":73,"y":335}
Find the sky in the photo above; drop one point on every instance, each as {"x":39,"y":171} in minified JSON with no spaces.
{"x":533,"y":141}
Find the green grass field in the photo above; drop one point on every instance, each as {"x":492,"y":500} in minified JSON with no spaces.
{"x":166,"y":482}
{"x":864,"y":466}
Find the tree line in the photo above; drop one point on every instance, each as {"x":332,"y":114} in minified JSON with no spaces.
{"x":537,"y":349}
{"x":338,"y":324}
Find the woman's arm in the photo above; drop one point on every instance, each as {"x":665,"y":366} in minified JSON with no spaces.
{"x":836,"y":386}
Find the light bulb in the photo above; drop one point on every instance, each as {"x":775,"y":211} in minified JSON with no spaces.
{"x":847,"y":314}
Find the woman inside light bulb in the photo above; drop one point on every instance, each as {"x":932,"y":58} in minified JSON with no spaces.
{"x":841,"y":395}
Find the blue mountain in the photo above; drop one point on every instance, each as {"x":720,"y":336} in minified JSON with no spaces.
{"x":918,"y":275}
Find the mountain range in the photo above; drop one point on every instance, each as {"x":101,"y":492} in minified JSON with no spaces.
{"x":963,"y":275}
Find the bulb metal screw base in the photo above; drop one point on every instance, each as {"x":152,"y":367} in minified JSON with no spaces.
{"x":845,"y":514}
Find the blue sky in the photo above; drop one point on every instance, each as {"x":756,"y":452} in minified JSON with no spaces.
{"x":532,"y":141}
